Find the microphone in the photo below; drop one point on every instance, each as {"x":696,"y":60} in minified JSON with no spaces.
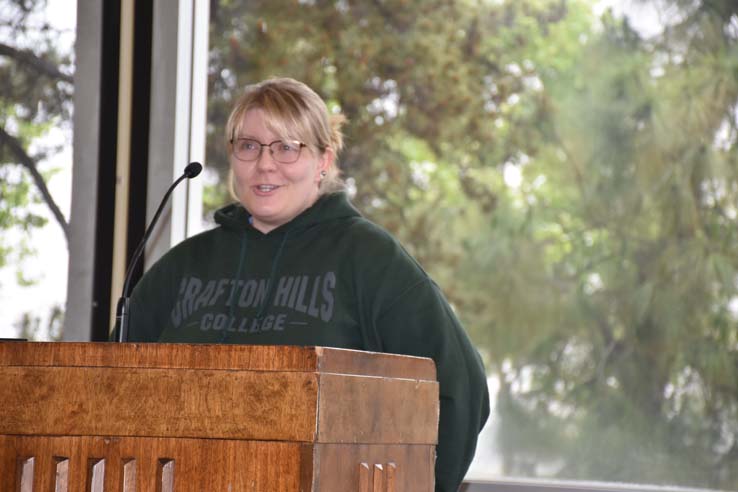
{"x":122,"y":310}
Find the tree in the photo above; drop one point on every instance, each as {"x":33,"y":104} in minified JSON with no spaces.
{"x":35,"y":96}
{"x":31,"y":327}
{"x":409,"y":81}
{"x":613,"y":280}
{"x":599,"y":283}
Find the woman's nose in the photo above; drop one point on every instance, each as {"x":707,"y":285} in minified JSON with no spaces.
{"x":265,"y":161}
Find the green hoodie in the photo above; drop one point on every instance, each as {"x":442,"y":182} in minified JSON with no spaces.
{"x":329,"y":278}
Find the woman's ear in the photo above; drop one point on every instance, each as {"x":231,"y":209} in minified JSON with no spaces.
{"x":327,"y":161}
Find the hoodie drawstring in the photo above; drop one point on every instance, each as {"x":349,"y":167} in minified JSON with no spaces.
{"x":263,"y":308}
{"x":232,"y":300}
{"x":272,"y":278}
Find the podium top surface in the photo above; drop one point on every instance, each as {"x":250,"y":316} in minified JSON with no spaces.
{"x":210,"y":356}
{"x":269,"y":393}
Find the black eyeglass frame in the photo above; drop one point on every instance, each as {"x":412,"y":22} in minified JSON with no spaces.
{"x":261,"y":149}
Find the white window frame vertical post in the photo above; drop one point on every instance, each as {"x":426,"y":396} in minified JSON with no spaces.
{"x":178,"y":114}
{"x":86,"y":148}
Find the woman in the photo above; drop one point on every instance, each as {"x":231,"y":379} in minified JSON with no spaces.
{"x":293,"y":263}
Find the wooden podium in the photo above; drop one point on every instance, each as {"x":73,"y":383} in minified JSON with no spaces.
{"x":211,"y":418}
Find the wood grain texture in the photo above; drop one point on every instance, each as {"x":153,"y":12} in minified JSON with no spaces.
{"x":378,"y":484}
{"x":343,"y":467}
{"x":195,"y":464}
{"x":357,"y":409}
{"x":342,"y":361}
{"x":208,"y":356}
{"x":158,"y":403}
{"x":365,"y":481}
{"x":73,"y":399}
{"x":159,"y":355}
{"x":391,"y":477}
{"x":156,"y":417}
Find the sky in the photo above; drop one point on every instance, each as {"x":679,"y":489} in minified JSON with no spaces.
{"x":49,"y":266}
{"x":643,"y":16}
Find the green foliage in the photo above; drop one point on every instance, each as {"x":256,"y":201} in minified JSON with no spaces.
{"x":31,"y":327}
{"x":572,"y":186}
{"x":616,"y":263}
{"x":423,"y":97}
{"x":35,"y":98}
{"x":16,"y":213}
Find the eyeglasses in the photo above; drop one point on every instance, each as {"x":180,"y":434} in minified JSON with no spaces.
{"x":248,"y":149}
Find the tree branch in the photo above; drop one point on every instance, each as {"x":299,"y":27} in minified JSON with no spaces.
{"x":28,"y":58}
{"x":26,"y":161}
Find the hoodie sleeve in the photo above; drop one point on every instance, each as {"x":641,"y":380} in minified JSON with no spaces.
{"x":410,"y":315}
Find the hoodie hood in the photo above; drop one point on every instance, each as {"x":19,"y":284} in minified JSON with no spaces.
{"x":328,"y":207}
{"x":235,"y":218}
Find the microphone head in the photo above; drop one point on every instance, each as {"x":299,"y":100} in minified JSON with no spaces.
{"x":192,"y":169}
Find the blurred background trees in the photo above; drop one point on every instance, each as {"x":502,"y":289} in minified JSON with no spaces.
{"x":569,"y":181}
{"x":35,"y":96}
{"x":36,"y":84}
{"x":572,"y":185}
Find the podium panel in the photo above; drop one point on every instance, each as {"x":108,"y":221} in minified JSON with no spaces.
{"x":163,"y":417}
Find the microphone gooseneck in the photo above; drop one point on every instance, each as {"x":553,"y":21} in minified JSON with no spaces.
{"x":122,"y":310}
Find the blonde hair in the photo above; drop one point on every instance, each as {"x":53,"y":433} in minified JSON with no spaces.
{"x":293,"y":111}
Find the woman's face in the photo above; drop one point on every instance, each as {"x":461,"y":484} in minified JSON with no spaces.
{"x":274,"y":192}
